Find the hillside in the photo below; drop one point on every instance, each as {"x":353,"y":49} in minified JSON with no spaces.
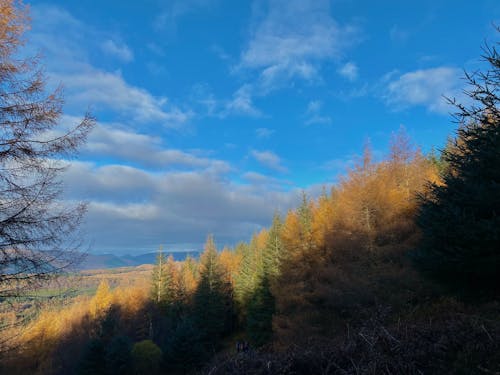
{"x":102,"y":261}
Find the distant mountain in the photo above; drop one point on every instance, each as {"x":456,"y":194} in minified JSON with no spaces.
{"x":99,"y":261}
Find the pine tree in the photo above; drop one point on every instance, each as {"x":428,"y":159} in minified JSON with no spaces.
{"x":171,"y":282}
{"x":261,"y":305}
{"x":167,"y":284}
{"x":460,"y":219}
{"x":118,"y":357}
{"x":93,"y":361}
{"x":261,"y":308}
{"x":213,"y":304}
{"x":158,"y":277}
{"x":187,"y":280}
{"x":251,"y":270}
{"x":274,"y":250}
{"x":297,"y":233}
{"x":184,"y":348}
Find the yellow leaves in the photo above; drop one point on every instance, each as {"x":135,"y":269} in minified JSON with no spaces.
{"x":102,"y":300}
{"x":40,"y":338}
{"x":432,"y":175}
{"x":130,"y":300}
{"x":370,"y":203}
{"x":328,"y":255}
{"x":231,"y":263}
{"x":322,"y":221}
{"x":13,"y":22}
{"x":372,"y":200}
{"x":291,"y":232}
{"x":187,"y":277}
{"x":261,"y":239}
{"x":227,"y":261}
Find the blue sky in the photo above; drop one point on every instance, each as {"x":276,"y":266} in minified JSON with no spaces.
{"x":213,"y":114}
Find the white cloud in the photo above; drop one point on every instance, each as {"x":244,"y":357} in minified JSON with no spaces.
{"x":132,"y":211}
{"x":142,"y":192}
{"x":269,"y":159}
{"x":134,"y":208}
{"x":339,"y":166}
{"x":293,"y":39}
{"x":175,"y":9}
{"x":110,"y":91}
{"x":85,"y":84}
{"x":314,"y":114}
{"x":314,"y":106}
{"x":260,"y":179}
{"x":145,"y":150}
{"x":119,"y":50}
{"x":349,"y":70}
{"x":241,"y":103}
{"x":425,"y":87}
{"x":48,"y":21}
{"x":264,"y":132}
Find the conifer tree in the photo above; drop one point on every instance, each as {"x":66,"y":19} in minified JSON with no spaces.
{"x":93,"y":361}
{"x":184,"y":348}
{"x":171,"y":282}
{"x":102,"y":300}
{"x":261,"y":305}
{"x":166,"y":285}
{"x":261,"y":308}
{"x":305,"y":218}
{"x":274,"y":249}
{"x":38,"y":237}
{"x":118,"y":357}
{"x":187,"y":280}
{"x":158,"y":277}
{"x":460,"y":219}
{"x":213,"y":298}
{"x":250,"y":273}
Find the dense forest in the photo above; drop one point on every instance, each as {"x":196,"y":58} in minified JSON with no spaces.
{"x":393,"y":270}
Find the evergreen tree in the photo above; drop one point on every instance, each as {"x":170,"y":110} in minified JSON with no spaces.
{"x":93,"y":360}
{"x":158,"y":277}
{"x":213,"y":298}
{"x":460,"y":219}
{"x":261,"y":305}
{"x":251,"y":271}
{"x":187,"y":280}
{"x":260,"y":313}
{"x":274,"y":249}
{"x":305,"y":217}
{"x":171,"y":283}
{"x":118,"y":356}
{"x":184,"y":348}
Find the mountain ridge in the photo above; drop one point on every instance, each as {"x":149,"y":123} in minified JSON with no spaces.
{"x":103,"y":261}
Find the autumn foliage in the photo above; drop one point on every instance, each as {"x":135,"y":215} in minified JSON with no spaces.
{"x":392,"y":270}
{"x":339,"y":264}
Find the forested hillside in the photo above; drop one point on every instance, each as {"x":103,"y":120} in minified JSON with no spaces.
{"x":395,"y":269}
{"x":339,"y":285}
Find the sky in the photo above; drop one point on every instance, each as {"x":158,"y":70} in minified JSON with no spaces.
{"x":212,"y":115}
